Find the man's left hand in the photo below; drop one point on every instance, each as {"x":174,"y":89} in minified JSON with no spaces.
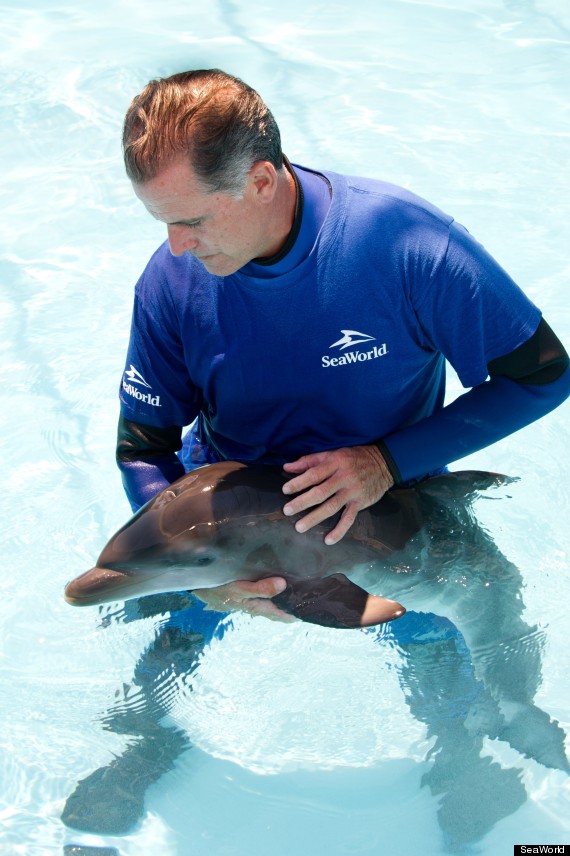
{"x":350,"y":479}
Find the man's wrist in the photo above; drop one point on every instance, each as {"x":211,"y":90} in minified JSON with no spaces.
{"x":389,"y":461}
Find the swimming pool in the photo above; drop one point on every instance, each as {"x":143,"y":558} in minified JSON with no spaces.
{"x":467,"y":107}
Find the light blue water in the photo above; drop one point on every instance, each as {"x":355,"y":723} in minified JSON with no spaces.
{"x":304,"y":741}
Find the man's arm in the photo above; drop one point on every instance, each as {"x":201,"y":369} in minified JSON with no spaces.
{"x":523,"y":386}
{"x":146,"y":457}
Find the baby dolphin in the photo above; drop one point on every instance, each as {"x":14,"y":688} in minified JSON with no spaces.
{"x":224,"y":522}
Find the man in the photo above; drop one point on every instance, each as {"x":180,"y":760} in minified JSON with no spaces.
{"x":304,"y":318}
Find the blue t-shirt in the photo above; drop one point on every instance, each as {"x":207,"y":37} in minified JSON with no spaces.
{"x":342,"y":345}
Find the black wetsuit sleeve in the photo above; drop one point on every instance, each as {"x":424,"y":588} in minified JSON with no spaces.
{"x":135,"y":440}
{"x":523,"y":386}
{"x":146,"y":456}
{"x":541,"y":359}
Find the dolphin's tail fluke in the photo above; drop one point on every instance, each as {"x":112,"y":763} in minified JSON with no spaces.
{"x":335,"y":601}
{"x":534,"y":733}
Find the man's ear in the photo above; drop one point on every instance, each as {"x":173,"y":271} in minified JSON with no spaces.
{"x":263,"y":179}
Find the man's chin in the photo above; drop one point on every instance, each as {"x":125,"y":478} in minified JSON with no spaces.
{"x":219,"y":265}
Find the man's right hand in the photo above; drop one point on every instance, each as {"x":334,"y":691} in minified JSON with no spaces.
{"x":243,"y":596}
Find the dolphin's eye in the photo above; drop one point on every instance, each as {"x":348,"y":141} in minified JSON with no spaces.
{"x":201,"y":561}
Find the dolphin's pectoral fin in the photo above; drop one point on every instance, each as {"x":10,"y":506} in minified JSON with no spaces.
{"x":335,"y":601}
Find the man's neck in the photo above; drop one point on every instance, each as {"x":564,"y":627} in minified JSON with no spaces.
{"x":283,"y":213}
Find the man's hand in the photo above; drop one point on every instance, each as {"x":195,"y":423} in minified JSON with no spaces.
{"x":349,"y":479}
{"x":243,"y":596}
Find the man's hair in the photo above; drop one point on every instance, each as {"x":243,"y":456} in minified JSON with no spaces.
{"x":216,"y":120}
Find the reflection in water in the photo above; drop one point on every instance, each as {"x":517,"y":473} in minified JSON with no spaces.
{"x":110,"y":801}
{"x":468,"y":677}
{"x":442,"y":691}
{"x":477,"y":683}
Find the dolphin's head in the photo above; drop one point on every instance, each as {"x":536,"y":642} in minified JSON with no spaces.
{"x":200,"y":532}
{"x":127,"y":568}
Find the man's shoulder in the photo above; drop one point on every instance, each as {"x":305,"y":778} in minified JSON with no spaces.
{"x":388,"y":197}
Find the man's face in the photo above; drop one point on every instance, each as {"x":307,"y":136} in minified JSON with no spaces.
{"x":223,"y":232}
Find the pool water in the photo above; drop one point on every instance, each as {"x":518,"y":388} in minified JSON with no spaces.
{"x":303,"y":740}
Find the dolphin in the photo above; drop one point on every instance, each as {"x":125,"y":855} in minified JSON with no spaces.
{"x":224,"y":522}
{"x":469,"y":663}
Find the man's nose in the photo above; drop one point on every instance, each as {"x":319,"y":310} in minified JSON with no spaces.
{"x":181,"y":240}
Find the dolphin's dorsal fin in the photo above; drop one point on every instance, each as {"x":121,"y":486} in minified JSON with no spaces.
{"x":335,"y":601}
{"x":463,"y":484}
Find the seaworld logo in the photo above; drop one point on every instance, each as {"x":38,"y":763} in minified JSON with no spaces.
{"x":350,"y":338}
{"x":133,"y":376}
